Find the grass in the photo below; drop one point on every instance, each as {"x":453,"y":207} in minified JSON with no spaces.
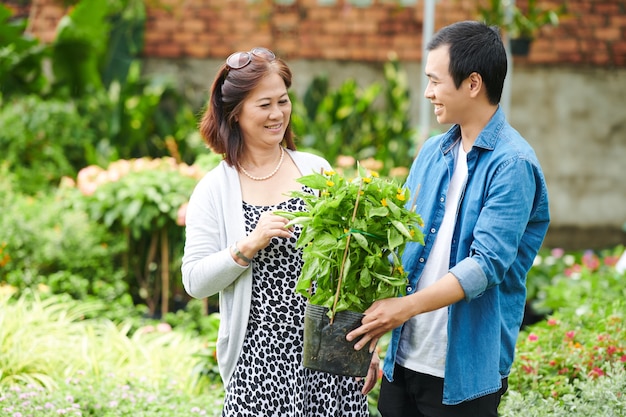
{"x":53,"y":362}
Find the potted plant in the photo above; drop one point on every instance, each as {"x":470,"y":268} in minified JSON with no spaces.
{"x":353,"y":235}
{"x":521,"y":25}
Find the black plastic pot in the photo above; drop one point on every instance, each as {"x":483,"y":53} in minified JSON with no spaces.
{"x":325,"y":345}
{"x":520,"y":46}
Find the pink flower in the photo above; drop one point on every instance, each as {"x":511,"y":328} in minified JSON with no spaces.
{"x":145,"y":329}
{"x":591,"y":261}
{"x":552,"y":322}
{"x":557,"y":252}
{"x":345,"y":161}
{"x":570,"y":335}
{"x":164,"y":328}
{"x":533,"y":337}
{"x":575,"y":269}
{"x":611,"y":260}
{"x":181,"y":214}
{"x":87,"y":179}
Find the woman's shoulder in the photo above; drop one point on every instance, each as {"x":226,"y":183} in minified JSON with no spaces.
{"x":308,"y":160}
{"x":216,"y":177}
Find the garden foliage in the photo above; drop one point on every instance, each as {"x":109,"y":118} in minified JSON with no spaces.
{"x":98,"y":160}
{"x":54,"y":362}
{"x":141,"y":200}
{"x":46,"y":243}
{"x":370,"y":122}
{"x":584,"y":334}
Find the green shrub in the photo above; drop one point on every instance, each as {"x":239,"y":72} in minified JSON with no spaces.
{"x":356,"y":121}
{"x":569,"y":346}
{"x":21,"y":58}
{"x":46,"y":243}
{"x":142,"y":201}
{"x":42,"y":141}
{"x":602,"y":397}
{"x":585,"y":335}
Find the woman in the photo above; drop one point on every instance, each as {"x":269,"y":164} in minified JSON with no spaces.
{"x":237,"y":247}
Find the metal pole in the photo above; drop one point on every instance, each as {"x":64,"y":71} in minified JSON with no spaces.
{"x":506,"y":92}
{"x":427,"y":34}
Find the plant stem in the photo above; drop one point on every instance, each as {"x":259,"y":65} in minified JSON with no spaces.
{"x":345,"y":253}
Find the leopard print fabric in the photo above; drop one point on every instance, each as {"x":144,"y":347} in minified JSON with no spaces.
{"x":269,"y":379}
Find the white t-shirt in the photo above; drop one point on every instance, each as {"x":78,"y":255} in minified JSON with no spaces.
{"x":424,"y":341}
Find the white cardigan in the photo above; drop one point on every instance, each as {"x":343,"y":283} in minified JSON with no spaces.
{"x":215,"y":221}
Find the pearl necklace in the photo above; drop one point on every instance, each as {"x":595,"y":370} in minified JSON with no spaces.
{"x":270,"y":175}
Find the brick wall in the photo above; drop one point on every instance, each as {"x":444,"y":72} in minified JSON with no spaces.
{"x":594,"y":33}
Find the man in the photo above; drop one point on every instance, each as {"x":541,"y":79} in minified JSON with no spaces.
{"x":483,"y":198}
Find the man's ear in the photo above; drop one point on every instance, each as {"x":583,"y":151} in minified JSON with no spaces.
{"x":475,"y":83}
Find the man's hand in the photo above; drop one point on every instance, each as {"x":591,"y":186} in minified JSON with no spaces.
{"x":382,"y":317}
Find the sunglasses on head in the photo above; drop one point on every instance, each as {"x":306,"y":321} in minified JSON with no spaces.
{"x":239,"y":60}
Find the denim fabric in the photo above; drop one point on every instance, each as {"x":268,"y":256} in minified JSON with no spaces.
{"x":502,"y":219}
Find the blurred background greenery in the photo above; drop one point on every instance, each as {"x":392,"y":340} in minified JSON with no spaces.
{"x":97,"y":163}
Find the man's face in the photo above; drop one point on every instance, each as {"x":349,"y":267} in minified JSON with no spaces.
{"x":450,"y":103}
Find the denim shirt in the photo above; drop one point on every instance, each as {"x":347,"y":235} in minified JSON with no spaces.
{"x":501,"y":222}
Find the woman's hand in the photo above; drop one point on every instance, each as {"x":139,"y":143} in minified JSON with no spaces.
{"x":268,"y":226}
{"x":372,"y":374}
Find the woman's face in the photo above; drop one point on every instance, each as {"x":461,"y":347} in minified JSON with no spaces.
{"x":265,"y":112}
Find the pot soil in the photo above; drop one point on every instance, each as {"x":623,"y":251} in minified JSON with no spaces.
{"x":325,"y":345}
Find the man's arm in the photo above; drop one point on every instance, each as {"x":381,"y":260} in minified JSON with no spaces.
{"x":385,"y":315}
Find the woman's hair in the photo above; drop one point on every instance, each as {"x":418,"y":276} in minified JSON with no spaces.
{"x":474,"y":47}
{"x":231,"y":87}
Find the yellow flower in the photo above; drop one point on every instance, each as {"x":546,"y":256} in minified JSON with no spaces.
{"x":367,"y":180}
{"x":374,"y":174}
{"x":329,"y":173}
{"x":400,"y":196}
{"x":330,"y":183}
{"x":324,"y":193}
{"x":384,"y":202}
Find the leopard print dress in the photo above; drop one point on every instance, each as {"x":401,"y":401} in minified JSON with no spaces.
{"x":269,"y":379}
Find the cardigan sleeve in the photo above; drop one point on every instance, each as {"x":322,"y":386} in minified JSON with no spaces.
{"x":211,"y":224}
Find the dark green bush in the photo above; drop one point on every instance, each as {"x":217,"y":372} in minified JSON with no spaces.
{"x":358,"y":122}
{"x":47,"y":244}
{"x":43,"y":141}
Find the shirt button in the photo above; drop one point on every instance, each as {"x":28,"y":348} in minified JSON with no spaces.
{"x":409,"y":289}
{"x":422,"y":260}
{"x":433,"y":230}
{"x":442,"y":199}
